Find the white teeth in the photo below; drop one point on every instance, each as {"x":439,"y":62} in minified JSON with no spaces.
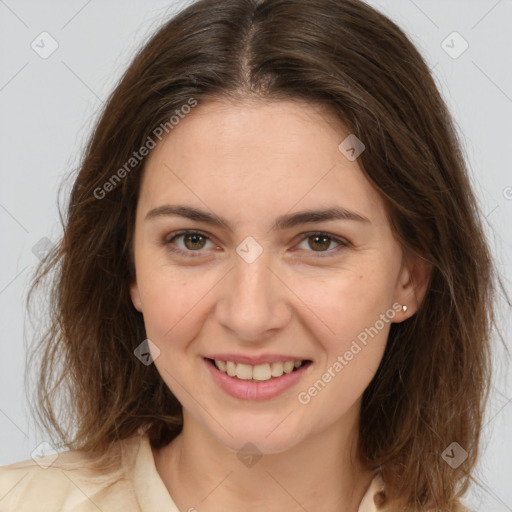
{"x":288,"y":366}
{"x":277,"y":369}
{"x":230,"y":368}
{"x":244,"y":371}
{"x":261,"y":372}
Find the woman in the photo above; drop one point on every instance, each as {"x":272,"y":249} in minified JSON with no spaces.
{"x":273,"y":291}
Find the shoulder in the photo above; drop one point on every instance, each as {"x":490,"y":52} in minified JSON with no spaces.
{"x":372,"y":497}
{"x":68,"y":481}
{"x":375,"y":499}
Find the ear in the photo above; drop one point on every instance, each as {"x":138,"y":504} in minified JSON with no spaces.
{"x":412,"y":285}
{"x":135,"y":295}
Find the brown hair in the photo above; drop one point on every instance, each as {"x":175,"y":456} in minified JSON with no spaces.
{"x":433,"y":381}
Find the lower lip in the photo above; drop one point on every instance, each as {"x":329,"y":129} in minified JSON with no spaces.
{"x":250,"y":390}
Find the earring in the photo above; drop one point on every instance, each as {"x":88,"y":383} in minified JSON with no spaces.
{"x":404,"y":308}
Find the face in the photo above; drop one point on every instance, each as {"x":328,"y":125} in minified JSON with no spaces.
{"x":249,"y":280}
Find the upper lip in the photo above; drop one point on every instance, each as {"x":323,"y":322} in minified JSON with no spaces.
{"x":255,"y":360}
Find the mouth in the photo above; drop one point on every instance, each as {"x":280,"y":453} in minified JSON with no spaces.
{"x":258,"y":373}
{"x":259,"y":382}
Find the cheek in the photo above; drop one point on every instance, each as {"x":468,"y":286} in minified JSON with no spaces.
{"x":173,"y":303}
{"x":354,"y":315}
{"x":346,"y":303}
{"x":351,"y":317}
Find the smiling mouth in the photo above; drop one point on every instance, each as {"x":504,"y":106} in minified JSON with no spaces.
{"x":258,"y":373}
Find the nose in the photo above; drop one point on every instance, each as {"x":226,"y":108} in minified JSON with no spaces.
{"x":254,"y":300}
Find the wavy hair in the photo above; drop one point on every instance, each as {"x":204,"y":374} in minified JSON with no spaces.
{"x":432,"y":384}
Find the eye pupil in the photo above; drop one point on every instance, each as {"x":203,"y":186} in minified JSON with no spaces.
{"x":194,"y":238}
{"x":325,"y":239}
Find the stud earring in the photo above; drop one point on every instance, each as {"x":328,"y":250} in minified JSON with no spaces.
{"x":404,"y":308}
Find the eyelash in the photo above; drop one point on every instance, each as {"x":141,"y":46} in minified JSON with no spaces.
{"x":193,"y":254}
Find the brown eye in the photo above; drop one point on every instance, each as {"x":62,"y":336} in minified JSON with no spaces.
{"x":194,"y":241}
{"x":319,"y":242}
{"x":191,"y":244}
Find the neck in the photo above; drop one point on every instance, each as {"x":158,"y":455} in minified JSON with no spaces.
{"x":322,"y":473}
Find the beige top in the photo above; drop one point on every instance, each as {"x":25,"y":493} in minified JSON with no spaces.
{"x":68,"y":485}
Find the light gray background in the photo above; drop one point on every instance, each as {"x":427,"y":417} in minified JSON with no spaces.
{"x":48,"y":107}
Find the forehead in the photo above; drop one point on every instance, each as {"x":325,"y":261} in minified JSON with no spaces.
{"x":272,"y":129}
{"x":259,"y":155}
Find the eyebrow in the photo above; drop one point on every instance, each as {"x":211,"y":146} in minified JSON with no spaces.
{"x":284,"y":222}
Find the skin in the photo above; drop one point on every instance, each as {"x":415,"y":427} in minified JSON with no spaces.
{"x":251,"y":162}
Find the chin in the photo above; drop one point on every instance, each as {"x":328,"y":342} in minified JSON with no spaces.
{"x":267,"y":438}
